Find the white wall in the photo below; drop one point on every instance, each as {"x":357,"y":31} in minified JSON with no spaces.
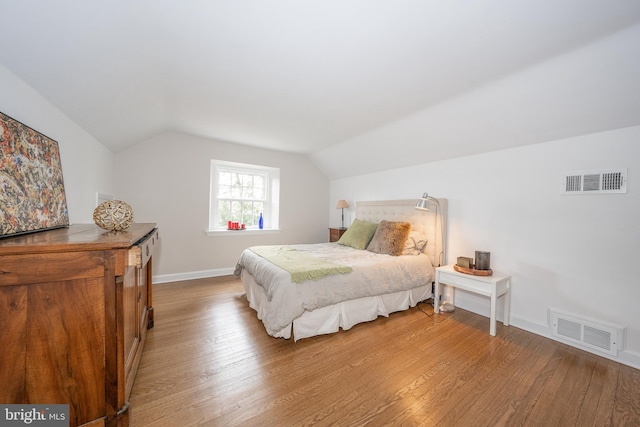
{"x":87,"y":165}
{"x":165,"y":179}
{"x":577,"y":254}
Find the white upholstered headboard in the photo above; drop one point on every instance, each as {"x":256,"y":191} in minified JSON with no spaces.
{"x":431,"y":223}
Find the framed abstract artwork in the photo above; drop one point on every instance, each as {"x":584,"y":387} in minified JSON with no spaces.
{"x":32,"y":196}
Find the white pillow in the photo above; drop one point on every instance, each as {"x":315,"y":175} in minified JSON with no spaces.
{"x":415,"y":244}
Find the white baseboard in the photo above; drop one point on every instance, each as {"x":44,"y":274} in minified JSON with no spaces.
{"x":626,"y":357}
{"x":164,"y":278}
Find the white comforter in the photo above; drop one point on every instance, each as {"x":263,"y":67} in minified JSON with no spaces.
{"x":373,"y":274}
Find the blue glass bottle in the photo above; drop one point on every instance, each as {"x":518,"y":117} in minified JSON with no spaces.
{"x":261,"y":222}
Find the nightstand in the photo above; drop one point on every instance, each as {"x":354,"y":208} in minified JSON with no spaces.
{"x":336,"y":233}
{"x":493,"y":286}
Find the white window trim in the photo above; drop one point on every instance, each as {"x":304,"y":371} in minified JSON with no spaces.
{"x":272,"y":215}
{"x":242,"y":233}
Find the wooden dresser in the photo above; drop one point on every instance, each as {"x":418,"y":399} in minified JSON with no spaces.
{"x":75,"y":305}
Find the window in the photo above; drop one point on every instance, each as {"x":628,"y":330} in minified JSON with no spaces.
{"x":240,"y":192}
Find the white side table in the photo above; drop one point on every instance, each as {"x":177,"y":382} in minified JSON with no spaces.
{"x":492,"y":286}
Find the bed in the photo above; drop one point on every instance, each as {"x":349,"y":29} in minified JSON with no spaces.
{"x":356,"y":284}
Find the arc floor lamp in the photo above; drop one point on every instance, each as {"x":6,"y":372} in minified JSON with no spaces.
{"x":423,"y":205}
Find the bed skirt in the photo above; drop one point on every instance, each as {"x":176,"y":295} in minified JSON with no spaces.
{"x":330,"y":319}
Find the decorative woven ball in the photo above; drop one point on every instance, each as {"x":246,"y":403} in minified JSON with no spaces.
{"x":113,"y":215}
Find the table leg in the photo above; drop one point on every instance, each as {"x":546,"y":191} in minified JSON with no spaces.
{"x":436,"y":293}
{"x":507,"y":305}
{"x":492,"y":320}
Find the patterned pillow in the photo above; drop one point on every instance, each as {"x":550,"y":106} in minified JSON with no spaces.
{"x":415,"y":244}
{"x":390,"y":238}
{"x":359,"y":234}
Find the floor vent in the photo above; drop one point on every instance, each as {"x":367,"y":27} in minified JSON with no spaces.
{"x":595,"y":182}
{"x":602,"y":337}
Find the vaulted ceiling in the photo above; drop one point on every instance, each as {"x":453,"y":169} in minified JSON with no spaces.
{"x":299,"y":76}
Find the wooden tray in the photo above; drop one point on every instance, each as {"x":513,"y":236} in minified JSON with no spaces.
{"x":472,"y":271}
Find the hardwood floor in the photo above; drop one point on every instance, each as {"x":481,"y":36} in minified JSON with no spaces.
{"x":208,"y":361}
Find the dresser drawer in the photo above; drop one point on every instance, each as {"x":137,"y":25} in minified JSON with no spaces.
{"x":50,"y":267}
{"x":143,"y":250}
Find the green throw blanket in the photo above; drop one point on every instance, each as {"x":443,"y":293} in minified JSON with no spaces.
{"x":302,"y":266}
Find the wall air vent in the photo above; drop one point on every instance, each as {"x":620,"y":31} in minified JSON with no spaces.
{"x":598,"y":182}
{"x":606,"y":338}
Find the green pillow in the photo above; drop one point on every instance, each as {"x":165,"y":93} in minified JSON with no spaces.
{"x":359,"y":234}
